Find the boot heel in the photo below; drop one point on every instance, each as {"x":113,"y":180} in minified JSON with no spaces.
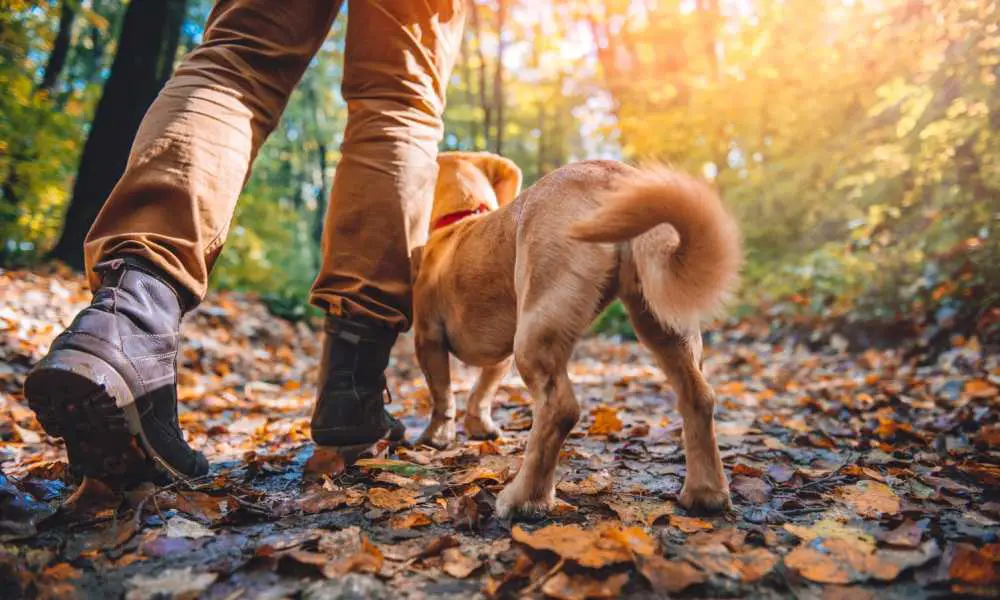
{"x":80,"y":398}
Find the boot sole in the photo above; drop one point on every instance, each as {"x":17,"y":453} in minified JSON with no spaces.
{"x":94,"y":412}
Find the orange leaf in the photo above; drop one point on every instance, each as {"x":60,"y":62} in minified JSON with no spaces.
{"x":689,"y":524}
{"x":606,"y":422}
{"x":669,"y":576}
{"x":582,"y":586}
{"x":392,"y":500}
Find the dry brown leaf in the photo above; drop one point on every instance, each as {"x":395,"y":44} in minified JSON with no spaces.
{"x":325,"y":461}
{"x":366,"y":559}
{"x":61,"y":572}
{"x":643,"y":510}
{"x":690,"y":524}
{"x":582,"y":586}
{"x":842,"y":561}
{"x":870,"y":499}
{"x":832,"y":530}
{"x":754,"y":564}
{"x":669,"y":576}
{"x":749,"y":567}
{"x":731,"y":538}
{"x":397,"y":480}
{"x":754,"y":489}
{"x":973,"y":566}
{"x":906,"y":535}
{"x":980,"y":388}
{"x":409,"y":520}
{"x":392,"y":500}
{"x":606,"y":421}
{"x":817,"y":566}
{"x":600,"y":546}
{"x":479,"y":473}
{"x":595,"y":483}
{"x":742,"y":469}
{"x":321,"y":501}
{"x":457,"y":564}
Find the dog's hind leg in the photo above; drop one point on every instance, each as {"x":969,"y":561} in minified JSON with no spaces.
{"x":548,"y":328}
{"x":479,"y":423}
{"x":433,"y":357}
{"x":679,"y":355}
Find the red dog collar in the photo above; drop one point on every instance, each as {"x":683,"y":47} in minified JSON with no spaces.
{"x":455,"y":217}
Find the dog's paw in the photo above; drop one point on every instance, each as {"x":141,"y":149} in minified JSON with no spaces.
{"x":510,"y":505}
{"x":481,"y":429}
{"x":438,"y":435}
{"x":704,"y":500}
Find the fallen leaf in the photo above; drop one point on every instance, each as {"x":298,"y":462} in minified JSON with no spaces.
{"x":973,"y":566}
{"x":457,"y":564}
{"x":870,"y":499}
{"x":753,"y":489}
{"x":780,"y":473}
{"x":604,"y":545}
{"x":409,"y":520}
{"x":689,"y":524}
{"x":365,"y":557}
{"x":832,"y":530}
{"x":669,"y":576}
{"x":175,"y":583}
{"x":397,"y":480}
{"x":642,"y":510}
{"x":581,"y":586}
{"x":392,"y":500}
{"x":595,"y":483}
{"x":321,"y":501}
{"x":20,"y":512}
{"x":325,"y":461}
{"x":840,"y":561}
{"x":606,"y":422}
{"x":179,"y":527}
{"x":731,"y":538}
{"x":906,"y":535}
{"x":742,"y":469}
{"x":478,"y":473}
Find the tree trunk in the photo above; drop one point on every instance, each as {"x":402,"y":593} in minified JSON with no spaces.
{"x":498,"y":76}
{"x":148,"y":42}
{"x":321,"y":200}
{"x":483,"y":96}
{"x":60,"y":47}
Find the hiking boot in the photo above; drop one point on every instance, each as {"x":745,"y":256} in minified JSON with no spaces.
{"x":108,"y":386}
{"x":350,"y":409}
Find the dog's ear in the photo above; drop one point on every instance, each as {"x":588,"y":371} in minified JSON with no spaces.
{"x":504,"y":175}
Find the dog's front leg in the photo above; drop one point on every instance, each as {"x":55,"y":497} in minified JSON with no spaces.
{"x":433,"y":358}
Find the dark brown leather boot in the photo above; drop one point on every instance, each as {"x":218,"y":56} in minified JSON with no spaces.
{"x":108,"y":385}
{"x":350,"y":409}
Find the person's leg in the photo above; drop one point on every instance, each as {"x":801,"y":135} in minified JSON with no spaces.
{"x":193,"y":152}
{"x":108,"y":385}
{"x":398,"y":58}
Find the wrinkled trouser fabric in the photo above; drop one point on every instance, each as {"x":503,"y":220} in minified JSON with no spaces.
{"x":193,"y":152}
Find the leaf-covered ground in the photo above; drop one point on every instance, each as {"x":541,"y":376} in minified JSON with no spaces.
{"x":853,"y":476}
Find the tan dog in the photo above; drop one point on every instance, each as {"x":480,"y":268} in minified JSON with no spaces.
{"x":504,"y":279}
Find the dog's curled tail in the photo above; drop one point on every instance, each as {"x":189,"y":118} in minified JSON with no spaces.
{"x":683,"y":280}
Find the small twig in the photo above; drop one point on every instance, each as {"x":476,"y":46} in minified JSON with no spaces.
{"x":537,"y":584}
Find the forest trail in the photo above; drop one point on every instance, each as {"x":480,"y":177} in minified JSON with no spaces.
{"x":853,"y":475}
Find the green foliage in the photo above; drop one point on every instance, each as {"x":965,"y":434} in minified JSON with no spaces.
{"x":855,"y":141}
{"x":614,"y":321}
